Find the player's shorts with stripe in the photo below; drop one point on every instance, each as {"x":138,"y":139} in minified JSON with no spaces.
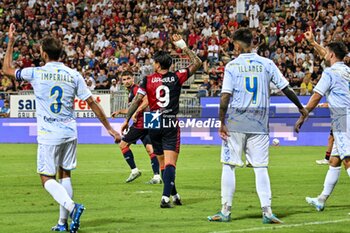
{"x":135,"y":134}
{"x":255,"y":147}
{"x":165,"y":139}
{"x":50,"y":157}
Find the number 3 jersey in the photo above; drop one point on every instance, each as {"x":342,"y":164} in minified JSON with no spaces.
{"x":55,"y":87}
{"x":248,"y":79}
{"x":163,"y":91}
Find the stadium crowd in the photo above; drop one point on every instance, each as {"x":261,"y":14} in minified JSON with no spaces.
{"x":102,"y":38}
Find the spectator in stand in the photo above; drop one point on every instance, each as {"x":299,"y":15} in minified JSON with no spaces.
{"x":253,"y":13}
{"x":298,"y":76}
{"x":6,"y":84}
{"x":97,"y":33}
{"x":115,"y":87}
{"x":5,"y":110}
{"x":306,"y":86}
{"x":213,"y":52}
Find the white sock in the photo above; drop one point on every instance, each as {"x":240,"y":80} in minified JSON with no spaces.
{"x":263,"y":188}
{"x":348,"y":170}
{"x":135,"y":170}
{"x":156,"y":177}
{"x":329,"y":183}
{"x":228,"y":187}
{"x":59,"y":193}
{"x":176,"y":196}
{"x":67,"y":184}
{"x":165,"y":198}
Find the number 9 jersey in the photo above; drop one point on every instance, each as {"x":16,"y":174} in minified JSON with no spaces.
{"x":55,"y":87}
{"x":163,"y":91}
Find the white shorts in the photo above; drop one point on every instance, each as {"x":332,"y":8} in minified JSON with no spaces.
{"x":255,"y":147}
{"x":341,"y":145}
{"x":52,"y":156}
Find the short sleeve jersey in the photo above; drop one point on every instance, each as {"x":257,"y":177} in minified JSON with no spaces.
{"x":248,"y":79}
{"x":334,"y":84}
{"x":163,"y":91}
{"x":55,"y":87}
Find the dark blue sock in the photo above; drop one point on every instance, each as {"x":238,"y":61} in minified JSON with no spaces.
{"x":174,"y":191}
{"x":168,"y":179}
{"x":129,"y":158}
{"x":162,"y":173}
{"x":155,"y":164}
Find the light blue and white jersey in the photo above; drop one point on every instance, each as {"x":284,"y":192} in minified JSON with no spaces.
{"x":334,"y":84}
{"x":55,"y":87}
{"x":248,"y":79}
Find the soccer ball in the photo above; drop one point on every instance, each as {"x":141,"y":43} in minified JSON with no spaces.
{"x":275,"y":142}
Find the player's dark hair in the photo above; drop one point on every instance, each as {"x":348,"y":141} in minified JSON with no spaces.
{"x":126,"y":73}
{"x":338,"y":48}
{"x":163,"y":58}
{"x":243,"y":35}
{"x":53,"y":47}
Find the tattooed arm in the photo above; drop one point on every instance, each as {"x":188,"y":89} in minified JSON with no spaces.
{"x":194,"y":59}
{"x":133,"y":107}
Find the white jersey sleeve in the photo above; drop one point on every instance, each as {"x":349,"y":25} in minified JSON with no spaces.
{"x":228,"y":84}
{"x":277,"y":77}
{"x":83,"y":91}
{"x":25,"y":74}
{"x":324,"y":84}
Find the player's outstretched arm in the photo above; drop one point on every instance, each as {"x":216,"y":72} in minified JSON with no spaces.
{"x":196,"y":62}
{"x":224,"y":101}
{"x":142,"y":107}
{"x":97,"y":109}
{"x":311,"y":39}
{"x":7,"y":68}
{"x":132,"y":109}
{"x":288,"y":91}
{"x":122,"y":111}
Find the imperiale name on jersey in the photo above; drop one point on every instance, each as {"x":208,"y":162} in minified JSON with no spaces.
{"x":250,"y":68}
{"x":57,"y":77}
{"x":163,"y":80}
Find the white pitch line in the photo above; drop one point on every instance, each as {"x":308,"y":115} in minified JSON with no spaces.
{"x":142,"y":192}
{"x":283,"y":226}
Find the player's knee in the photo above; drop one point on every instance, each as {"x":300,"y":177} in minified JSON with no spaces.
{"x":334,"y":161}
{"x":124,"y":146}
{"x":170,"y":164}
{"x":44,"y":179}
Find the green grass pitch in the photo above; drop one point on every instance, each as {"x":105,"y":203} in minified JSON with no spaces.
{"x":114,"y":206}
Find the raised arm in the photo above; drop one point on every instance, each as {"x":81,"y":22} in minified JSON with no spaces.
{"x":196,"y":62}
{"x":310,"y":38}
{"x":7,"y":68}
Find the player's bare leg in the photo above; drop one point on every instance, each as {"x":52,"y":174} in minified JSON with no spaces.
{"x":329,"y":184}
{"x":129,"y":158}
{"x":170,"y":159}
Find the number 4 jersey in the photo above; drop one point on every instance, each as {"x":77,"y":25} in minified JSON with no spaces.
{"x":248,"y":79}
{"x":55,"y":87}
{"x":163,"y":91}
